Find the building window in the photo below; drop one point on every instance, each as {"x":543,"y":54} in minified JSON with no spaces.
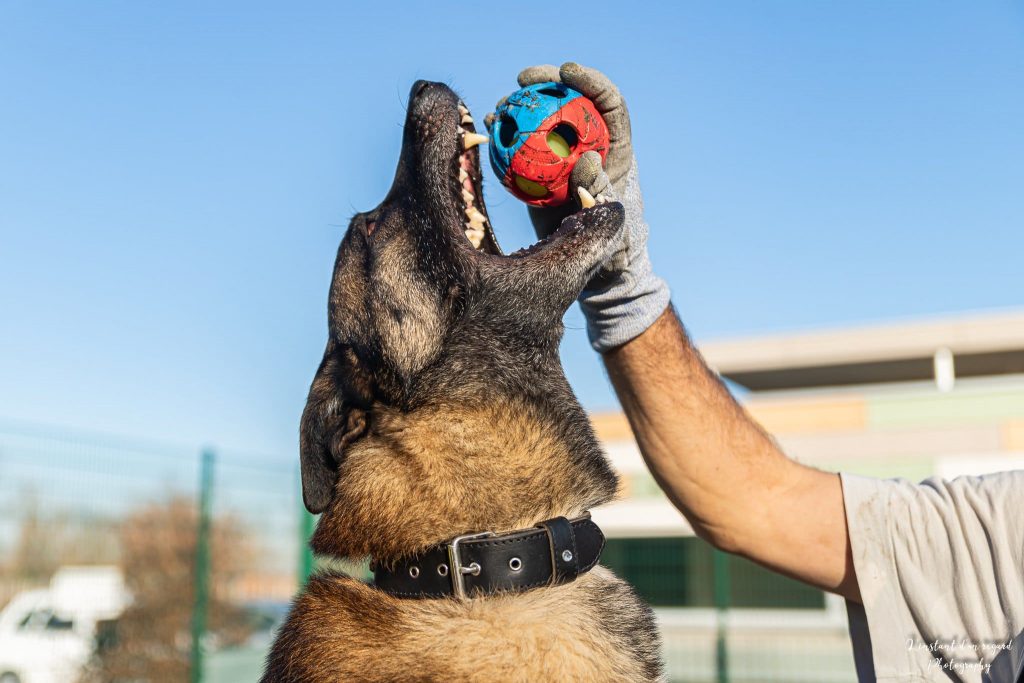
{"x":679,"y":572}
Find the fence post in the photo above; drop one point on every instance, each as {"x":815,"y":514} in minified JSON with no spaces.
{"x":720,"y":564}
{"x":306,"y":568}
{"x":306,"y":524}
{"x":202,"y":577}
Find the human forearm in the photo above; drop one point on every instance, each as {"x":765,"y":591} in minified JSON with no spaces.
{"x":726,"y":475}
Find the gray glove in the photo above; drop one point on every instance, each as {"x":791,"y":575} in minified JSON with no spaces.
{"x":625,"y":297}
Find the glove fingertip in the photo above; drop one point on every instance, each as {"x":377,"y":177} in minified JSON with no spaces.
{"x":589,"y":175}
{"x":588,"y":81}
{"x":587,"y":168}
{"x":541,"y":73}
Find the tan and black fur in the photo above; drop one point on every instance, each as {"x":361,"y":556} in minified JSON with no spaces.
{"x":441,"y":408}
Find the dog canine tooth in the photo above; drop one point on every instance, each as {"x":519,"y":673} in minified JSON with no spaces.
{"x":466,"y":118}
{"x":462,"y":109}
{"x":586,"y":199}
{"x":471,"y":140}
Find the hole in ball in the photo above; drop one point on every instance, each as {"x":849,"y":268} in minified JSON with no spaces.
{"x":562,"y":139}
{"x":508,"y":129}
{"x":529,"y":187}
{"x":553,"y":90}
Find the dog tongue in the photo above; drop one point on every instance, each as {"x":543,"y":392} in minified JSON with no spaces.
{"x":467,"y":166}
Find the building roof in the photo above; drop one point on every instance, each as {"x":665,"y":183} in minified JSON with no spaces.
{"x":981,"y":344}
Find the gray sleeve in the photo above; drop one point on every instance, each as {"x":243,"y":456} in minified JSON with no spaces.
{"x":940,"y":567}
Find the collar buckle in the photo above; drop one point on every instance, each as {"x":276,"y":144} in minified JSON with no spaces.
{"x":458,"y":571}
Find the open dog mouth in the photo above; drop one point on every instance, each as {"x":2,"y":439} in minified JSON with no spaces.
{"x":467,"y":185}
{"x":466,"y":181}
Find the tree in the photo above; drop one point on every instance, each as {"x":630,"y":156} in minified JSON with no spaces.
{"x":150,"y":641}
{"x":49,"y":538}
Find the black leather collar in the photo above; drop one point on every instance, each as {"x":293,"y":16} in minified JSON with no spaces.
{"x":553,"y":552}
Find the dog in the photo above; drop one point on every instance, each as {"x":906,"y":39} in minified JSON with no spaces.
{"x":440,"y":409}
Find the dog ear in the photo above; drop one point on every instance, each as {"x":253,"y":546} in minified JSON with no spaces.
{"x":329,"y":424}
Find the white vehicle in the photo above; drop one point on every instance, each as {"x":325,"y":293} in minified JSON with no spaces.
{"x":47,"y":635}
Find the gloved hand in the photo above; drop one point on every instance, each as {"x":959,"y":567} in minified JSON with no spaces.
{"x":625,"y":297}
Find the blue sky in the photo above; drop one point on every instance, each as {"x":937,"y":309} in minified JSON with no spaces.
{"x":175,"y":178}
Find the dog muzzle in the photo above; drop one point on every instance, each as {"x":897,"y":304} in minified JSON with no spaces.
{"x":554,"y":552}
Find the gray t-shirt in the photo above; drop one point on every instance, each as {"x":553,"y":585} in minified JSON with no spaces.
{"x":940,"y":566}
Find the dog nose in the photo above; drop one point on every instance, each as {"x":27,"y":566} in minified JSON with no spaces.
{"x":417,"y":88}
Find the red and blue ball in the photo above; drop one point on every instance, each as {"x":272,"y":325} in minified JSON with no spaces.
{"x":538,"y":135}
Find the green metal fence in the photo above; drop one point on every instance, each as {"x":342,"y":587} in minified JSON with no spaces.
{"x":212,"y":545}
{"x":209,"y":542}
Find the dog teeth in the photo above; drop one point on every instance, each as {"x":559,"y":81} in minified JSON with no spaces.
{"x":475,"y":236}
{"x":586,"y":199}
{"x":477,"y":220}
{"x":471,"y":140}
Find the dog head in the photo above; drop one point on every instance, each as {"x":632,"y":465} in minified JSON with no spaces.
{"x":424,"y":309}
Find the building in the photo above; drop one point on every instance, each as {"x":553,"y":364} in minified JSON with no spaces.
{"x":939,"y":397}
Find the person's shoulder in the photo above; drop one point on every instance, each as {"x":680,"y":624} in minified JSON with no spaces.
{"x":978,"y":487}
{"x":994,"y":483}
{"x":900,"y":502}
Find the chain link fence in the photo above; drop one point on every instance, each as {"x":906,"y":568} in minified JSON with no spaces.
{"x":188,"y":558}
{"x":206,"y":543}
